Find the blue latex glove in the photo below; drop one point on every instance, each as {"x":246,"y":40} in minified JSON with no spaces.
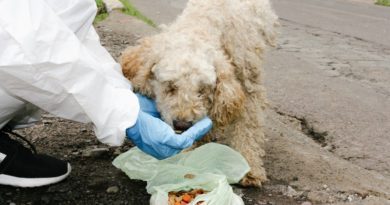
{"x":148,"y":105}
{"x":153,"y":136}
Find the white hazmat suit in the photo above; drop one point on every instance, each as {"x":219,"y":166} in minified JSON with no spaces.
{"x":51,"y":59}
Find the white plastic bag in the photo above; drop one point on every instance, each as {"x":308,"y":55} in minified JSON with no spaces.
{"x":210,"y":167}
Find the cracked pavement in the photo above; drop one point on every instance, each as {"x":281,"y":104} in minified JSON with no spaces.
{"x":338,"y":81}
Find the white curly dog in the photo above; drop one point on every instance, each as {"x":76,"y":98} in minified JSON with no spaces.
{"x":209,"y":62}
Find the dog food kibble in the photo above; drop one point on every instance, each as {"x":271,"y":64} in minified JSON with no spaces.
{"x":183,"y":197}
{"x":187,"y":198}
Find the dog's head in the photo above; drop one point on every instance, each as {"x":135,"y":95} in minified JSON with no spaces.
{"x":187,"y":84}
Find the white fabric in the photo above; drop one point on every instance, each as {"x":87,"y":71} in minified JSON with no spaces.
{"x":50,"y":56}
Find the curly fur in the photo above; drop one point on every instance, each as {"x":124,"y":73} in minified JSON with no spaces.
{"x":209,"y":62}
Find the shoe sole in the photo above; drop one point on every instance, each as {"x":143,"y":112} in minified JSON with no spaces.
{"x":31,"y":182}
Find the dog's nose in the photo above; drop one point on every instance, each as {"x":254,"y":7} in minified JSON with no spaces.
{"x":181,"y":125}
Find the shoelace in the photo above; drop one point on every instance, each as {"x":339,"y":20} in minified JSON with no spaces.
{"x":8,"y":130}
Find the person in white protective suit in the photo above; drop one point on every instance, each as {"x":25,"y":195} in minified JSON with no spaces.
{"x":51,"y":59}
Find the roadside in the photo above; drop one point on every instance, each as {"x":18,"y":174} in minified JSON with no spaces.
{"x":323,"y":84}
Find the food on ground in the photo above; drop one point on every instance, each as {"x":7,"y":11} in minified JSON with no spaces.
{"x":184,"y":197}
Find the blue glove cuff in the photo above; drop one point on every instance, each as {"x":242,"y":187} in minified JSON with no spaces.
{"x":148,"y":105}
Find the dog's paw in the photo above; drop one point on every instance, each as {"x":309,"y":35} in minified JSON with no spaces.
{"x":253,"y":180}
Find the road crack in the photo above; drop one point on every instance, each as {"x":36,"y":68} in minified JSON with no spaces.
{"x":320,"y":137}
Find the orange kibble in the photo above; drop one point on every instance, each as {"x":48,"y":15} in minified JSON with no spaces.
{"x":184,"y":198}
{"x":187,"y":198}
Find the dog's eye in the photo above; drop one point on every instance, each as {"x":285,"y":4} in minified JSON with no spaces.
{"x":171,"y":88}
{"x":202,"y":91}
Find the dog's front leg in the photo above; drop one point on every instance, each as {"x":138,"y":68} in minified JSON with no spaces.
{"x":246,"y":135}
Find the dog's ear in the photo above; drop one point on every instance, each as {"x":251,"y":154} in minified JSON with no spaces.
{"x":229,"y":96}
{"x":137,"y":62}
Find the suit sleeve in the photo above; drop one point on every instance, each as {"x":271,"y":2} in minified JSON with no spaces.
{"x":55,"y":62}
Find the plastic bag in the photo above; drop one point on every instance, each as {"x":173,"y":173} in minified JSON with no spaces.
{"x":210,"y":167}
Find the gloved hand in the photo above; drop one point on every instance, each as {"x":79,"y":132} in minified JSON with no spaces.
{"x":153,"y":136}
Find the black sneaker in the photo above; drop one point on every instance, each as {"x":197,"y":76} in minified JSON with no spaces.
{"x":21,"y":167}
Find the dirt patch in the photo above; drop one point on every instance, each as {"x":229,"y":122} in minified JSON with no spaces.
{"x":94,"y":180}
{"x":91,"y":175}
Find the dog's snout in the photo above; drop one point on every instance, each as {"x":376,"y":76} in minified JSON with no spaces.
{"x":181,"y":125}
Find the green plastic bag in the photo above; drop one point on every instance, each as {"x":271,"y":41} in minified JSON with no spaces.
{"x":211,"y":167}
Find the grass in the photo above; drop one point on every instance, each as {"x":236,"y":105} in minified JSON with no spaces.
{"x":100,"y":17}
{"x":129,"y":9}
{"x":101,"y":12}
{"x":383,"y":2}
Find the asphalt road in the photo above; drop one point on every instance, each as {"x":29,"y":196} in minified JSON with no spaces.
{"x":362,"y":20}
{"x":332,"y":68}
